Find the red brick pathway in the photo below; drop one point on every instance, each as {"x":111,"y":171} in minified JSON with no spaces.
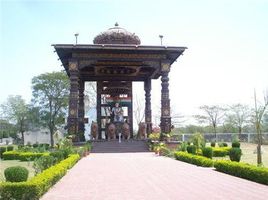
{"x":139,"y":176}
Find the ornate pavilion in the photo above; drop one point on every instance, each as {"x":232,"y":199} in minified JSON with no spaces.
{"x":115,"y":60}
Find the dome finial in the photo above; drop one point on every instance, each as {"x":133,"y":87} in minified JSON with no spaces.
{"x":116,"y":24}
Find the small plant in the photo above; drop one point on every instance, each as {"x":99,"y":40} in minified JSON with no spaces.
{"x":222,"y":144}
{"x":154,"y":136}
{"x":236,"y":144}
{"x":207,"y":152}
{"x":16,"y":174}
{"x":43,"y":163}
{"x":213,"y":144}
{"x":58,"y":155}
{"x":198,"y":140}
{"x":183,"y":147}
{"x":191,"y":149}
{"x":10,"y":148}
{"x":2,"y":150}
{"x":235,"y":154}
{"x":35,"y":145}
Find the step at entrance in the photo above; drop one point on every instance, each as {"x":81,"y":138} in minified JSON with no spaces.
{"x":116,"y":147}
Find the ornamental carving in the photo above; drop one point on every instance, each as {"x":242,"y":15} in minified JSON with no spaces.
{"x":72,"y":66}
{"x":165,"y":67}
{"x":117,"y":35}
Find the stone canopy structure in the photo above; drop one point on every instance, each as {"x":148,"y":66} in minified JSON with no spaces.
{"x":114,"y":61}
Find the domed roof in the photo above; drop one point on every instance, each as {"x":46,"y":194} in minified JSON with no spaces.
{"x":117,"y":35}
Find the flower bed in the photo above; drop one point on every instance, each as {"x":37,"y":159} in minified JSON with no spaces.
{"x":243,"y":170}
{"x":38,"y":185}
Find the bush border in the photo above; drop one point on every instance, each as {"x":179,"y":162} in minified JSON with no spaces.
{"x":38,"y":185}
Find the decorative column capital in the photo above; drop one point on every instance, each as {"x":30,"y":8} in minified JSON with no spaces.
{"x":165,"y":66}
{"x":73,"y":65}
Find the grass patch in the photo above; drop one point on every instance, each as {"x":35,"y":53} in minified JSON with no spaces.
{"x":10,"y":163}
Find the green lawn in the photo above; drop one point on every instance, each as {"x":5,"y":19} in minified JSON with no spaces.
{"x":249,"y":154}
{"x":9,"y":163}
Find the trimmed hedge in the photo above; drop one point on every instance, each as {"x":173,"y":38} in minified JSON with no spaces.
{"x":207,"y":152}
{"x":16,"y":174}
{"x":220,"y":151}
{"x":11,"y":155}
{"x":243,"y":170}
{"x":235,"y":154}
{"x":191,"y":149}
{"x":193,"y":159}
{"x":2,"y":150}
{"x":38,"y":185}
{"x":22,"y":156}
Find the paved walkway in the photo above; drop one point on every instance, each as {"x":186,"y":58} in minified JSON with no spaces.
{"x":140,"y":176}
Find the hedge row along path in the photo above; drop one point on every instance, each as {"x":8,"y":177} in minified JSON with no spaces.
{"x":140,"y":176}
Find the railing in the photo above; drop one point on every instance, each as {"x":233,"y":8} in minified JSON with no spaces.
{"x":224,"y":137}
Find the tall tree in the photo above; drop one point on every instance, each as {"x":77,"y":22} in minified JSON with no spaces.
{"x":239,"y":116}
{"x":139,"y":113}
{"x":50,"y":94}
{"x":213,"y":115}
{"x":16,"y":111}
{"x":260,"y":110}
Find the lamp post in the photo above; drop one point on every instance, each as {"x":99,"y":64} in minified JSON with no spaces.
{"x":76,"y":35}
{"x":161,"y":38}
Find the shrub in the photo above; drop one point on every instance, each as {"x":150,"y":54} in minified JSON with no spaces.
{"x":45,"y":145}
{"x":183,"y":147}
{"x":164,"y":151}
{"x":43,"y":163}
{"x":243,"y":170}
{"x":37,"y":186}
{"x":22,"y":156}
{"x":223,"y":144}
{"x":16,"y":174}
{"x":191,"y":149}
{"x":10,"y":148}
{"x":220,"y":151}
{"x":198,"y":140}
{"x":154,"y":136}
{"x":207,"y":152}
{"x":11,"y":155}
{"x":213,"y":144}
{"x":58,"y":155}
{"x":236,"y":144}
{"x":27,"y":156}
{"x":2,"y":150}
{"x":35,"y":145}
{"x":193,"y":159}
{"x":235,"y":154}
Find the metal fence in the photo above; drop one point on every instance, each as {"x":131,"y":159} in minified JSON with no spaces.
{"x":225,"y":137}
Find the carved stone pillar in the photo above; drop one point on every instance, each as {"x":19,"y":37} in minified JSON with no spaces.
{"x":148,"y":111}
{"x":81,"y":111}
{"x":73,"y":99}
{"x":165,"y":101}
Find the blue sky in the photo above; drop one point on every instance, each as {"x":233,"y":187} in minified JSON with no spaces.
{"x":227,"y":43}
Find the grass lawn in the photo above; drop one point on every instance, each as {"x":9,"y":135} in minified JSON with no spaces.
{"x":249,"y":154}
{"x":10,"y":163}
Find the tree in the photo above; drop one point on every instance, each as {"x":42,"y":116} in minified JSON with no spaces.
{"x":239,"y":116}
{"x":7,"y":130}
{"x":16,"y":111}
{"x":259,"y":111}
{"x":50,"y":94}
{"x":213,"y":116}
{"x":139,"y":113}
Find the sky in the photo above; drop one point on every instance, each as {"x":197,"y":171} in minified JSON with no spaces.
{"x":226,"y":40}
